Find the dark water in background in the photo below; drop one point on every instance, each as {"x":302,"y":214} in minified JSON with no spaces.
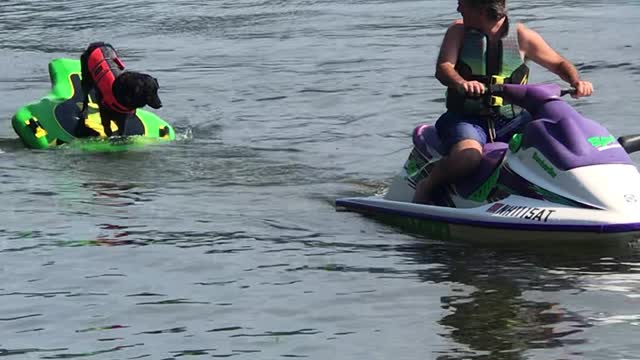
{"x":226,"y":243}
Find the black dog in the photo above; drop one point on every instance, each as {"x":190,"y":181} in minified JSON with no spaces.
{"x":118,"y":93}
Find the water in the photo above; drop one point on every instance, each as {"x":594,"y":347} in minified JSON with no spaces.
{"x":226,"y":243}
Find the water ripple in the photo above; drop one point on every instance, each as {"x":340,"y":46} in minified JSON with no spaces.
{"x":90,"y":353}
{"x":11,"y":352}
{"x":281,"y":333}
{"x":20,"y":317}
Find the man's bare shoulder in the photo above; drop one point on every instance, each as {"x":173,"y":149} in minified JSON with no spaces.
{"x":524,"y":32}
{"x":527,"y":36}
{"x":459,"y":23}
{"x":456,"y":27}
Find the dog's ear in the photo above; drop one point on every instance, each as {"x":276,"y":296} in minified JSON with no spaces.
{"x":152,"y":98}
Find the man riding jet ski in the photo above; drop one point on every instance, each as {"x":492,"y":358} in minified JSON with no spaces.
{"x":484,"y":43}
{"x":519,"y":163}
{"x":563,"y":178}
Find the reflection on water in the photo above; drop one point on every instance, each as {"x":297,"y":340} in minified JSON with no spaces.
{"x":501,"y":304}
{"x":117,"y":194}
{"x":491,"y":314}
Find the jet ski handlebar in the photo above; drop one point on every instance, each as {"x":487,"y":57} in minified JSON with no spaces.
{"x":499,"y":90}
{"x":529,"y":96}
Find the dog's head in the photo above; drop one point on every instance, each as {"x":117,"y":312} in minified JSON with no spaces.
{"x":135,"y":90}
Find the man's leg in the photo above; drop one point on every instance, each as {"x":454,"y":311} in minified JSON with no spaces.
{"x":464,"y":157}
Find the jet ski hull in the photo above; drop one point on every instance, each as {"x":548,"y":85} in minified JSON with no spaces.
{"x":513,"y":220}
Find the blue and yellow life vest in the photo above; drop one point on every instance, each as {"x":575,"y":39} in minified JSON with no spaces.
{"x":473,"y":64}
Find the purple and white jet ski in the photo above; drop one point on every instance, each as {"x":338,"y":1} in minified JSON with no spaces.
{"x":564,"y":178}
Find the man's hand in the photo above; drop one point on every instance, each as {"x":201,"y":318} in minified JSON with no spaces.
{"x":471,"y":88}
{"x":583,"y":88}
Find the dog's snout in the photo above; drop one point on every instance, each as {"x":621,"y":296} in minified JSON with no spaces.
{"x":155,"y":103}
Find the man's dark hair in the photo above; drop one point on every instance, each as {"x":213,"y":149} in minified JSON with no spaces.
{"x":496,"y":9}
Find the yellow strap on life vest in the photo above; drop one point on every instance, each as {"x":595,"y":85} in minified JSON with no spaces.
{"x":496,"y":100}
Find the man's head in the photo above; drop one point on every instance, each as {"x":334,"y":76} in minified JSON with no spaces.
{"x":493,"y":9}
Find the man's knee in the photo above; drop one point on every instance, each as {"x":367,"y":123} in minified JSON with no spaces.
{"x":466,"y":154}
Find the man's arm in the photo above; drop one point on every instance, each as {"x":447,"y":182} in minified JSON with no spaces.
{"x":447,"y":59}
{"x":448,"y":56}
{"x":536,"y":49}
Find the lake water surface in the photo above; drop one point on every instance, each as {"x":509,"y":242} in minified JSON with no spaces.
{"x":226,"y":243}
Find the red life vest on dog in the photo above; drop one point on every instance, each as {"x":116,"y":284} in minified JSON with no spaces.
{"x":105,"y":66}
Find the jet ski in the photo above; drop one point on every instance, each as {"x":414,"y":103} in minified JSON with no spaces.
{"x":563,"y":178}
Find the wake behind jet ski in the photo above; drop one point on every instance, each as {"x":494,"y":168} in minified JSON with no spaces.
{"x":564,"y":178}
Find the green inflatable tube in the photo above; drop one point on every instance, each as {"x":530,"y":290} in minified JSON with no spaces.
{"x":54,"y":119}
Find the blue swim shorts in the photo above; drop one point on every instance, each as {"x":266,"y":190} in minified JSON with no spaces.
{"x":454,"y":127}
